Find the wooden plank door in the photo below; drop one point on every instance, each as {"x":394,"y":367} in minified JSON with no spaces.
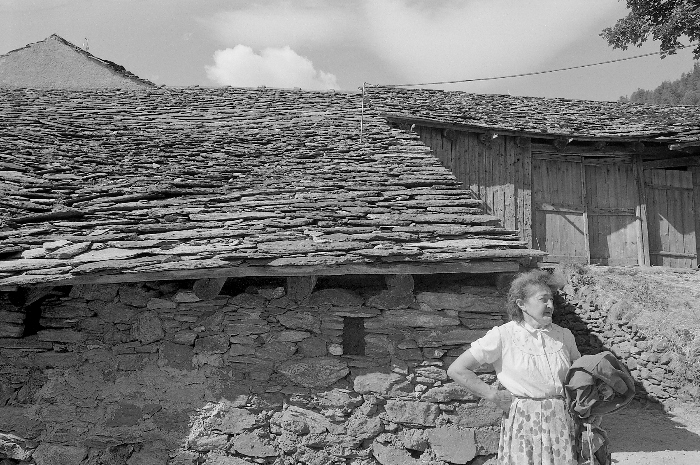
{"x":671,"y":213}
{"x":612,"y":199}
{"x":559,"y":220}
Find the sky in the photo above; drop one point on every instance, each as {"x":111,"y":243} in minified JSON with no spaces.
{"x":341,"y":44}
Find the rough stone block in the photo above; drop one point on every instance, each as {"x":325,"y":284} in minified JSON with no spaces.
{"x":176,"y":356}
{"x":292,"y":336}
{"x":465,"y":302}
{"x":160,"y":304}
{"x":447,"y":393}
{"x":314,"y":372}
{"x":276,"y":350}
{"x":231,"y":420}
{"x":147,"y":328}
{"x":387,"y":455}
{"x":336,"y":298}
{"x":447,"y":337}
{"x":217,"y":344}
{"x":58,"y":335}
{"x":103,"y":292}
{"x":49,"y":454}
{"x":136,"y":296}
{"x":381,"y":383}
{"x":14,"y":447}
{"x":474,"y":415}
{"x":452,"y":444}
{"x":410,"y":318}
{"x":300,"y":288}
{"x":304,"y":321}
{"x":391,"y":300}
{"x":246,"y":300}
{"x":252,"y":445}
{"x":113,"y":312}
{"x":313,"y":347}
{"x":411,"y":412}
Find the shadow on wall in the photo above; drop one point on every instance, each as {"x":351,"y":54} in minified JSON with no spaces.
{"x":644,"y":425}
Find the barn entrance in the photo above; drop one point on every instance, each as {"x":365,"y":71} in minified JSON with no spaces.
{"x":587,"y":210}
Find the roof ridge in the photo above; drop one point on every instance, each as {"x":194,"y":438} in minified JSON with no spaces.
{"x":114,"y":67}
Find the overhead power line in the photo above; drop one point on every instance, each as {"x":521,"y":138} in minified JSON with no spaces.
{"x":534,"y":73}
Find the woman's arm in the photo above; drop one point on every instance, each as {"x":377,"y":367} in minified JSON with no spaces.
{"x":462,"y":371}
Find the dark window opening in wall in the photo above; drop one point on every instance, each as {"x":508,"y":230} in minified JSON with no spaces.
{"x":31,"y":319}
{"x":353,"y":336}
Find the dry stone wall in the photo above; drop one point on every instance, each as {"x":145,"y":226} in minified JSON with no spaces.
{"x":602,"y":323}
{"x":274,"y":374}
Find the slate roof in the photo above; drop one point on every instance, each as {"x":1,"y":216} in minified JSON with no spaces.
{"x":57,"y":63}
{"x":174,"y":180}
{"x":541,"y":117}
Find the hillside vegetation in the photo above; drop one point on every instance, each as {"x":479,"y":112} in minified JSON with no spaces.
{"x":683,"y":91}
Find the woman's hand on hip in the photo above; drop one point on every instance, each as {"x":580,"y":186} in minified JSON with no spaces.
{"x":502,"y":399}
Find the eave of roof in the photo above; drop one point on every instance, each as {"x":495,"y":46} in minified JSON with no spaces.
{"x":169,"y":182}
{"x":539,"y":117}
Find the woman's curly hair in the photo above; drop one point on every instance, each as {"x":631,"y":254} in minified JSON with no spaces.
{"x":521,"y":285}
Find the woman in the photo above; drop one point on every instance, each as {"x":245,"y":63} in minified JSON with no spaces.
{"x":531,"y":356}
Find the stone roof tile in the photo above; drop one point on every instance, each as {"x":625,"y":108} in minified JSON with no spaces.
{"x":187,"y":179}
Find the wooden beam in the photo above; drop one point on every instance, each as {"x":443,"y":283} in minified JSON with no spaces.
{"x":641,"y":213}
{"x":208,"y":288}
{"x":672,"y":162}
{"x":475,"y":266}
{"x":696,"y":210}
{"x":584,"y":199}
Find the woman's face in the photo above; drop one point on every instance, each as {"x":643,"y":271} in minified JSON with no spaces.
{"x":538,"y":306}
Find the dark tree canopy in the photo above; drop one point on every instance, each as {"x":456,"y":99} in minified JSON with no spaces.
{"x":664,"y":20}
{"x":683,"y":91}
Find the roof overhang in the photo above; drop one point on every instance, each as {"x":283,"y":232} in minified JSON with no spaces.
{"x":474,"y":266}
{"x":420,"y":121}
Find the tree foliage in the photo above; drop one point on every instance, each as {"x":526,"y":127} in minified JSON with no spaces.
{"x":667,"y":21}
{"x":683,"y":91}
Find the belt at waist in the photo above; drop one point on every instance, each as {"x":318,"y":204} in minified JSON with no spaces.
{"x":539,"y":398}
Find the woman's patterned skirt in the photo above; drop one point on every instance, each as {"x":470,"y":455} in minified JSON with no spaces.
{"x":537,"y":432}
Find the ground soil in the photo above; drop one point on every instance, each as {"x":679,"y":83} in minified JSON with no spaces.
{"x":648,"y":434}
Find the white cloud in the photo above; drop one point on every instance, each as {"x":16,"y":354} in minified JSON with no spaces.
{"x":274,"y":67}
{"x":420,"y":40}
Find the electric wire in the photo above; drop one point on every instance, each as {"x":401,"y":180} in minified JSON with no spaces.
{"x":534,"y":73}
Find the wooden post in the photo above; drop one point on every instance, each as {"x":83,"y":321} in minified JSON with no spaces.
{"x":641,"y":213}
{"x":696,"y":210}
{"x":584,"y":199}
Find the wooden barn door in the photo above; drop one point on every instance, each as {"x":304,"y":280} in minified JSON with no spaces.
{"x":559,"y":222}
{"x":586,"y":210}
{"x":612,"y":199}
{"x":671,"y":213}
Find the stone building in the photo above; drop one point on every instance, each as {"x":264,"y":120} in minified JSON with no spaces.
{"x":56,"y":63}
{"x":233,"y":276}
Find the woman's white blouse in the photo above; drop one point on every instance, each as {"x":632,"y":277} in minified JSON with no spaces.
{"x":529,"y":362}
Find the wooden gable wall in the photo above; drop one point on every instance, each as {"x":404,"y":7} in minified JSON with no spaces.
{"x":584,"y":205}
{"x":497,"y":169}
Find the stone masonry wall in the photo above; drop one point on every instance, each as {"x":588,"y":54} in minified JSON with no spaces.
{"x":601,"y":323}
{"x":150,"y":374}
